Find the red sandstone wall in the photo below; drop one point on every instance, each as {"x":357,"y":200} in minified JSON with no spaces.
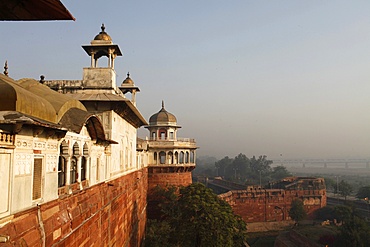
{"x":107,"y":214}
{"x":272,"y":204}
{"x":164,"y":179}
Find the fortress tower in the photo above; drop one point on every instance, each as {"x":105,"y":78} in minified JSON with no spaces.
{"x":171,"y":159}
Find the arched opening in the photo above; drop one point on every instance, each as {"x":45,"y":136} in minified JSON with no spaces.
{"x":155,"y":158}
{"x":192,"y":157}
{"x":187,"y":157}
{"x":162,"y":157}
{"x":62,"y":164}
{"x":176,"y":158}
{"x":83,"y":168}
{"x":73,"y":171}
{"x":61,"y":171}
{"x":170,"y":157}
{"x":181,"y":161}
{"x":162,"y":134}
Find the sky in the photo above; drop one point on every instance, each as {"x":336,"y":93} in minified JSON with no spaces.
{"x":286,"y":79}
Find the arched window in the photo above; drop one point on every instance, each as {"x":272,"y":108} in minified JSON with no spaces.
{"x":187,"y":157}
{"x":192,"y":157}
{"x":62,"y":164}
{"x":162,"y":157}
{"x":162,"y":134}
{"x":83,"y":168}
{"x":170,"y":158}
{"x":73,"y":170}
{"x":153,"y":135}
{"x":181,"y":161}
{"x":62,"y":171}
{"x":155,"y":158}
{"x":176,"y":158}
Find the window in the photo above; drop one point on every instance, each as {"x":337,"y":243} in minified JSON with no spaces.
{"x":181,"y":161}
{"x":37,"y":177}
{"x":73,"y":172}
{"x":192,"y":157}
{"x":187,"y":157}
{"x":83,"y":169}
{"x":153,"y":135}
{"x":162,"y":157}
{"x":171,"y":135}
{"x":61,"y":172}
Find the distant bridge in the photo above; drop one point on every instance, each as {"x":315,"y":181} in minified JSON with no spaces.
{"x":324,"y":163}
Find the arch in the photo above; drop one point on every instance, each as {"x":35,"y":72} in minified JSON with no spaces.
{"x":62,"y":169}
{"x":85,"y":150}
{"x":83,"y":168}
{"x":162,"y":134}
{"x":176,"y":158}
{"x":170,"y":157}
{"x":63,"y":148}
{"x":73,"y":170}
{"x":162,"y":157}
{"x":186,"y":157}
{"x":76,"y":149}
{"x":192,"y":156}
{"x":181,"y":160}
{"x":155,"y":158}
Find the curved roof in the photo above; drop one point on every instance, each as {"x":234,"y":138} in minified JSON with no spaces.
{"x":16,"y":98}
{"x":162,"y":117}
{"x":61,"y":103}
{"x":30,"y":97}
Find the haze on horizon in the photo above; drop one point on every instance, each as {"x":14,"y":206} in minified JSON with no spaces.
{"x":285,"y":79}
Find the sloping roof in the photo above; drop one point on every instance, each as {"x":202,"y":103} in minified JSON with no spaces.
{"x":60,"y":102}
{"x":33,"y":10}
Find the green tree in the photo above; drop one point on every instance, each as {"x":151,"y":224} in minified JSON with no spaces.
{"x":280,"y":172}
{"x":330,"y":184}
{"x":296,"y":211}
{"x":364,"y":193}
{"x":354,"y":232}
{"x":223,"y":166}
{"x":198,"y":217}
{"x":345,"y":189}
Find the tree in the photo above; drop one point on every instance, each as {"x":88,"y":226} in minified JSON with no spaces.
{"x":364,"y":193}
{"x":354,"y":232}
{"x":296,"y":211}
{"x":280,"y":172}
{"x":345,"y":189}
{"x":197,"y":217}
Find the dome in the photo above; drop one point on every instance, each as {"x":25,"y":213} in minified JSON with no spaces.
{"x":162,"y":117}
{"x":103,"y":35}
{"x":128,"y":80}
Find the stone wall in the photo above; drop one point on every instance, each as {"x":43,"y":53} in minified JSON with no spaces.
{"x":107,"y":214}
{"x":164,"y":179}
{"x":266,"y":205}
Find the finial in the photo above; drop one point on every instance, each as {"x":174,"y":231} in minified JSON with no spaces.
{"x":6,"y":68}
{"x":128,"y":74}
{"x":42,"y":79}
{"x":102,"y":28}
{"x":163,"y":104}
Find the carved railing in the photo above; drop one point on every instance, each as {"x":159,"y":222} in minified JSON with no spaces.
{"x":6,"y":139}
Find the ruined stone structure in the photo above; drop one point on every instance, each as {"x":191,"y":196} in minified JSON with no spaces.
{"x":72,"y":170}
{"x":256,"y":204}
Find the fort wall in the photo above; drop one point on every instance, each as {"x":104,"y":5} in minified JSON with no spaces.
{"x":266,"y":205}
{"x":112,"y":213}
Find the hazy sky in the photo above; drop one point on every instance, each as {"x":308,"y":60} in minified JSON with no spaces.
{"x":256,"y":77}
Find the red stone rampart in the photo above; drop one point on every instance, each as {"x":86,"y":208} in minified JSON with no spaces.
{"x":165,"y":179}
{"x":106,"y":214}
{"x":263,"y":205}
